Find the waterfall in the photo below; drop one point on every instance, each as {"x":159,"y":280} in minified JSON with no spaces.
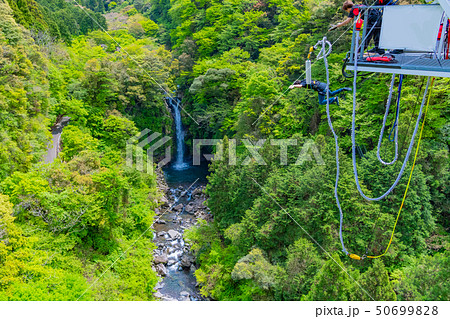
{"x":179,"y":133}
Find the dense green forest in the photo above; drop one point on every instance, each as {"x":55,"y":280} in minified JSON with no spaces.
{"x":50,"y":19}
{"x":64,"y":223}
{"x":66,"y":227}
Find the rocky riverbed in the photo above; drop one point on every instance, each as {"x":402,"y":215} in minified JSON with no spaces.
{"x":182,"y":207}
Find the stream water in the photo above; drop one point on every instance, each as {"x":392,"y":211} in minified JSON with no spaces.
{"x":185,"y":183}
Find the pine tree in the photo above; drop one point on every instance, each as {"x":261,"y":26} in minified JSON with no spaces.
{"x":331,"y":283}
{"x":376,"y":282}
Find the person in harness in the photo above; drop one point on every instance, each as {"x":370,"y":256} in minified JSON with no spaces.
{"x":373,"y":23}
{"x":321,"y":88}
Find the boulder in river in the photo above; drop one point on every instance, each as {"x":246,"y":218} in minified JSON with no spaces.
{"x":197,"y":191}
{"x":173,"y":234}
{"x":171,"y":262}
{"x":189,"y":209}
{"x":161,"y":270}
{"x":161,"y":233}
{"x":179,"y":207}
{"x":160,"y":221}
{"x":164,"y":201}
{"x":187,"y":260}
{"x":160,"y":259}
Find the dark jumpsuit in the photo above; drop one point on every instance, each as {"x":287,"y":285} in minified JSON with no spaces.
{"x":321,"y":88}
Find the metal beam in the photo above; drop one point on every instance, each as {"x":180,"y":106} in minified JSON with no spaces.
{"x":400,"y":71}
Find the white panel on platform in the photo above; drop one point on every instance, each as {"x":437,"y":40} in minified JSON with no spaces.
{"x":410,"y":27}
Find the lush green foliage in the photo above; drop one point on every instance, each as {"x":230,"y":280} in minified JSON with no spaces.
{"x":275,"y":233}
{"x":77,"y":228}
{"x":55,"y":19}
{"x":236,"y":60}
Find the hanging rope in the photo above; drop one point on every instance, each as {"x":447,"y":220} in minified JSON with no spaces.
{"x":410,"y":175}
{"x":354,"y":256}
{"x":397,"y":112}
{"x":411,"y":144}
{"x":402,"y":144}
{"x":324,"y":55}
{"x":354,"y":152}
{"x":388,"y":105}
{"x":330,"y":124}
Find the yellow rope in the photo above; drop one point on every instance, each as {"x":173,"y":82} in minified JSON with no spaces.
{"x":410,"y":175}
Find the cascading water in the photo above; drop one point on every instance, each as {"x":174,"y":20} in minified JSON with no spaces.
{"x":179,"y":160}
{"x":176,"y":264}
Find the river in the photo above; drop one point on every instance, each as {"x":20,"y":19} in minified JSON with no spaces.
{"x":184,"y":193}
